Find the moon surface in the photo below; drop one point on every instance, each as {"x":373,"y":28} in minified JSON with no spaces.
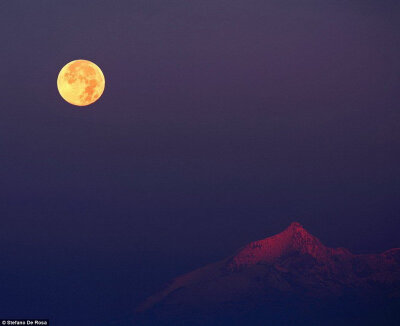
{"x":81,"y":82}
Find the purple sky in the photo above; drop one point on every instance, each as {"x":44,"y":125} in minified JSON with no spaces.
{"x":221,"y":122}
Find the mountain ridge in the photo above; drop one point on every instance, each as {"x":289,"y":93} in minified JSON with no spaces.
{"x":291,"y":264}
{"x":293,"y":238}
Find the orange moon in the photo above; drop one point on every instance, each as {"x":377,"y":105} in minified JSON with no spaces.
{"x":81,"y":82}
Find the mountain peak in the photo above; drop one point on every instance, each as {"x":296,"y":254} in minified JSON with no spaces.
{"x":295,"y":226}
{"x":293,"y":239}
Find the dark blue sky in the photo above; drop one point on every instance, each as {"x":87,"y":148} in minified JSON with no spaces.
{"x":221,"y":122}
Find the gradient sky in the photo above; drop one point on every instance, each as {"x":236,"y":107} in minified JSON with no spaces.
{"x":221,"y":123}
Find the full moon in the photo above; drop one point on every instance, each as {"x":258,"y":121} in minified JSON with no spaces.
{"x":81,"y":82}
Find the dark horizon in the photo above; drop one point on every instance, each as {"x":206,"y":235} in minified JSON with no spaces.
{"x":221,"y":123}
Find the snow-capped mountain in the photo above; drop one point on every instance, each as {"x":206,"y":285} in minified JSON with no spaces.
{"x":291,"y":270}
